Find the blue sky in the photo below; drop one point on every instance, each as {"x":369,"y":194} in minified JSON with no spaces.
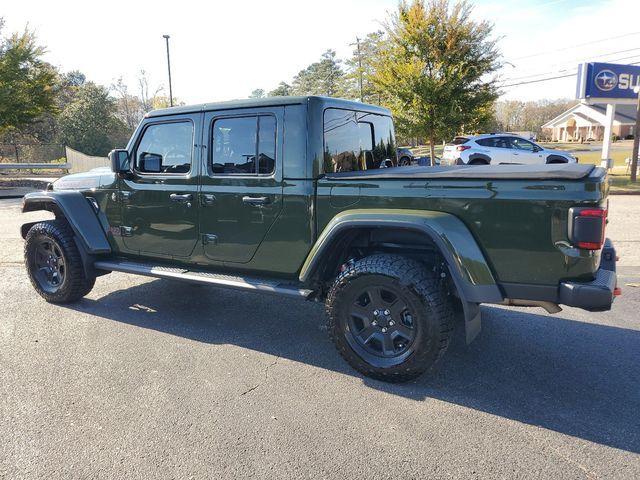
{"x":222,"y":50}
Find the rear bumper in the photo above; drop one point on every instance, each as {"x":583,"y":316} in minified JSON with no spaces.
{"x":597,"y":295}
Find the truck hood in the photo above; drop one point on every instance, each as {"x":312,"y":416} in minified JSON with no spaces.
{"x":101,"y":177}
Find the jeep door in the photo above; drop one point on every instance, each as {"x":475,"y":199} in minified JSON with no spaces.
{"x":241,"y":186}
{"x":159,"y":204}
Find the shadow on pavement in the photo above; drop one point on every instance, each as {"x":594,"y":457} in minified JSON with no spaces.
{"x":572,"y":377}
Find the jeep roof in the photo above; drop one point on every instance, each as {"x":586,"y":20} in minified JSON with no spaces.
{"x":267,"y":102}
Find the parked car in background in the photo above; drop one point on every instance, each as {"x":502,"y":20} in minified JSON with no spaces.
{"x":405,"y":157}
{"x":500,"y":149}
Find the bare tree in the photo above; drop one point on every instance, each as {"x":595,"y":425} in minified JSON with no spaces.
{"x":148,"y":100}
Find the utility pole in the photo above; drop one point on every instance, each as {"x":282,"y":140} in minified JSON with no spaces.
{"x":166,"y":37}
{"x":636,"y":138}
{"x":359,"y":66}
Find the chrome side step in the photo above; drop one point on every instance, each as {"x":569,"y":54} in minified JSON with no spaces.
{"x":205,"y":278}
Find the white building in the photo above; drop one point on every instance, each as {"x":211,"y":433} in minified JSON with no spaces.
{"x":587,"y":122}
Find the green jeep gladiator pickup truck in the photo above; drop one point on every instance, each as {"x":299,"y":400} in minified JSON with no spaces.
{"x":301,"y":196}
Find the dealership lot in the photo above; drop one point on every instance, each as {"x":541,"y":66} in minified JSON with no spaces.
{"x":154,"y":378}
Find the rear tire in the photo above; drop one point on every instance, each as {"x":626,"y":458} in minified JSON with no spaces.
{"x":54,"y":264}
{"x":389,"y":317}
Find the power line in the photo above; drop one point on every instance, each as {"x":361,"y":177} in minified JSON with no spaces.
{"x":577,"y":46}
{"x":549,"y":78}
{"x":540,"y":80}
{"x":510,"y":79}
{"x":581,"y":60}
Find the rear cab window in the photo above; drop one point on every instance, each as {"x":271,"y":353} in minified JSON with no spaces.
{"x":355,"y":140}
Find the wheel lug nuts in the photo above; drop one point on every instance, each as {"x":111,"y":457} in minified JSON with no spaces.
{"x":374,"y":322}
{"x":391,"y":323}
{"x":384,"y":330}
{"x":376,"y":312}
{"x":386,"y":312}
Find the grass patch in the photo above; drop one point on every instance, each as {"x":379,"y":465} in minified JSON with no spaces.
{"x":594,"y":158}
{"x":622,"y":184}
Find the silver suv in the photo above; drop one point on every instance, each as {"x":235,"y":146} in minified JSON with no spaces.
{"x":499,"y":149}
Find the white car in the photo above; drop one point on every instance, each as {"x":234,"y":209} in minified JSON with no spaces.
{"x":500,"y":148}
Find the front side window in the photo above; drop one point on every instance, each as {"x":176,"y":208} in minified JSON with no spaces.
{"x":357,"y":141}
{"x":521,"y":144}
{"x":244,"y":145}
{"x":165,"y":148}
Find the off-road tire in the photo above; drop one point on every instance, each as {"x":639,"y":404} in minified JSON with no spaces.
{"x":75,"y":284}
{"x":423,"y":289}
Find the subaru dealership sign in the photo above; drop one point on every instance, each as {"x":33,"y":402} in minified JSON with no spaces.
{"x":607,"y":81}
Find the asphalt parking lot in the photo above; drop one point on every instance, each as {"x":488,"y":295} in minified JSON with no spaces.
{"x":150,"y":378}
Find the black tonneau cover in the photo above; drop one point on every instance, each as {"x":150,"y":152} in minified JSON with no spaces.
{"x":554,"y":171}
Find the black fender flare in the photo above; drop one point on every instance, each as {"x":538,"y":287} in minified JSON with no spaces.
{"x":553,"y":158}
{"x":470,"y":272}
{"x":76,"y":209}
{"x":479,"y":156}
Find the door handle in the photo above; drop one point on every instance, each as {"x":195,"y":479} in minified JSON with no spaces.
{"x":208,"y":199}
{"x":181,"y":198}
{"x":257,"y":201}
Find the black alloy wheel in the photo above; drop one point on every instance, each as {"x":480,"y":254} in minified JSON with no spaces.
{"x":380,"y":324}
{"x":50,"y":265}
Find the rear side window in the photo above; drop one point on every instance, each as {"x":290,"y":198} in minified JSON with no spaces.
{"x":460,"y":140}
{"x":357,"y":141}
{"x":494,"y":142}
{"x":487,"y":142}
{"x":244,"y":145}
{"x":165,"y":148}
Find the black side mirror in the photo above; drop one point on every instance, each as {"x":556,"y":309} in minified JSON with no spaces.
{"x":150,"y":162}
{"x":119,"y":159}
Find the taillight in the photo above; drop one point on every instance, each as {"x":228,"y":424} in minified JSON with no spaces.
{"x":462,"y":148}
{"x":586,"y":227}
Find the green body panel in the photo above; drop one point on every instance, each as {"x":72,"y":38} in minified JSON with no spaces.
{"x":496,"y":231}
{"x":520,"y":225}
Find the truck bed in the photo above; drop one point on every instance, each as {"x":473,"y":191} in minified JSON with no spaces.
{"x":560,"y":171}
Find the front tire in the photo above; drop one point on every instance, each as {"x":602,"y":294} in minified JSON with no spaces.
{"x":389,"y":317}
{"x":54,"y":264}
